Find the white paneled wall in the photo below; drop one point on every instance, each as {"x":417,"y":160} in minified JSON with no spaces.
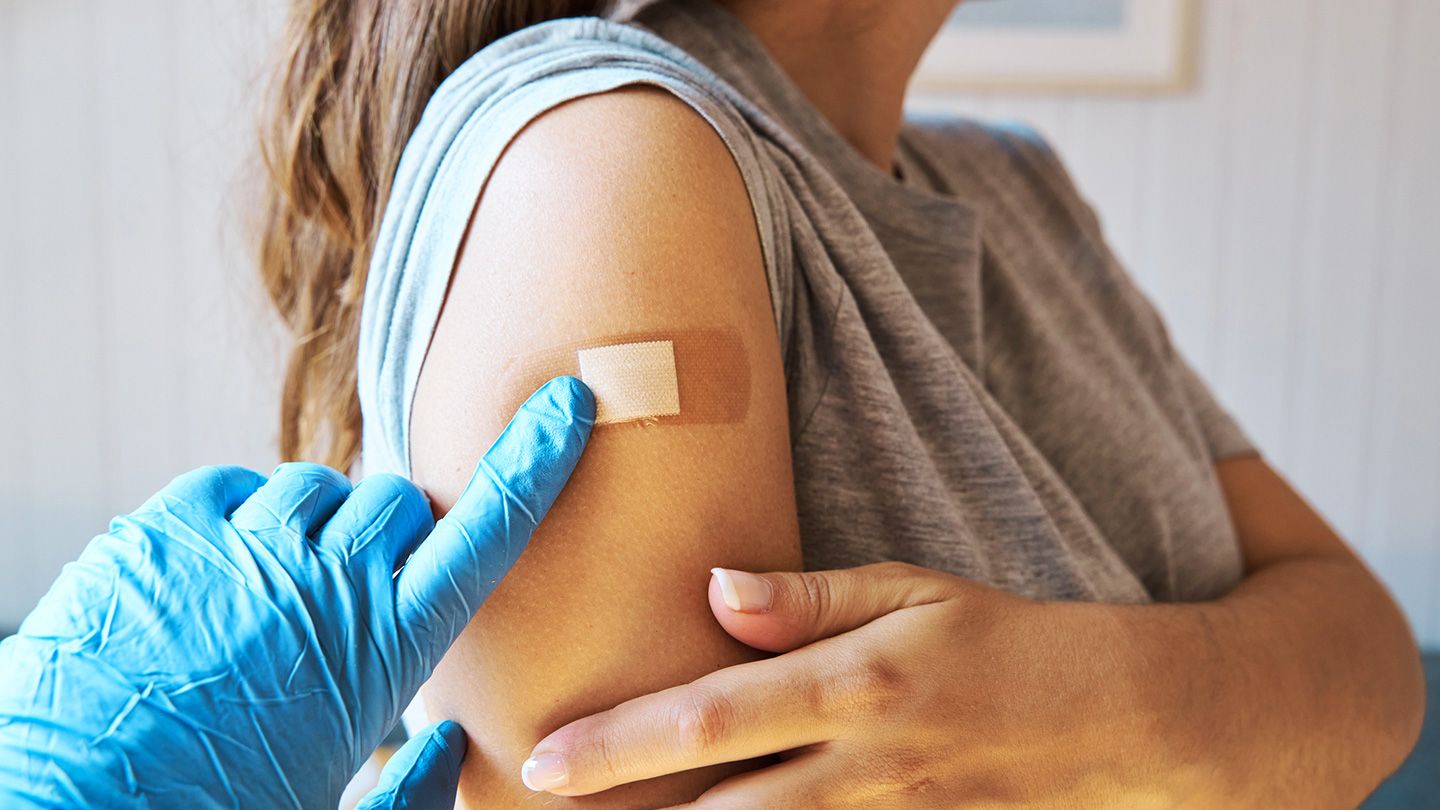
{"x":1285,"y":216}
{"x":133,"y":340}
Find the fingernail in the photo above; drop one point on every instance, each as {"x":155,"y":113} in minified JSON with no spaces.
{"x":545,"y":772}
{"x":744,"y":593}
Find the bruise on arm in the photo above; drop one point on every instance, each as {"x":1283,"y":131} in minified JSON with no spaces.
{"x":614,"y":214}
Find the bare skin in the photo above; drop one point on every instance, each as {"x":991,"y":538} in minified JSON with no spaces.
{"x":862,"y":95}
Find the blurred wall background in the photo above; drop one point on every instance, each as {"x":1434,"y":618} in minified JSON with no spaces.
{"x":1285,"y":215}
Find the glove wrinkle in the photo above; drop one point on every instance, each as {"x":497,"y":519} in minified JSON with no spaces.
{"x":510,"y":498}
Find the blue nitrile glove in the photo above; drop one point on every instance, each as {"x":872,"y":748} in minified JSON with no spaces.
{"x":238,"y":642}
{"x":424,"y":774}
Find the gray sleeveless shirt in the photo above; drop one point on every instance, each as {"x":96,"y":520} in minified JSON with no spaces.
{"x":974,"y":383}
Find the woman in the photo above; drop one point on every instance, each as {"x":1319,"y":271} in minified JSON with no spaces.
{"x":943,"y":366}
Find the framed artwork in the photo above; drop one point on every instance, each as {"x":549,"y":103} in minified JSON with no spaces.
{"x":1063,"y":46}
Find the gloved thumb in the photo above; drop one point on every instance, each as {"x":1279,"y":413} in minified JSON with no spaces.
{"x":783,"y":611}
{"x":424,"y":774}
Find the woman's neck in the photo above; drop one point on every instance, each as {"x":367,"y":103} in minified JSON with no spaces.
{"x":851,"y":58}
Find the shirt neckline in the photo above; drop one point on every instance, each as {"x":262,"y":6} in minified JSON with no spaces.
{"x":723,"y":43}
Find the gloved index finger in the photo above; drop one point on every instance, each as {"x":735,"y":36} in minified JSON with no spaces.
{"x":472,"y":548}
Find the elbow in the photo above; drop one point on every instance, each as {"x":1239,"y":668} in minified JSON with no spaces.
{"x":1396,"y":731}
{"x":1400,"y":702}
{"x":1410,"y":714}
{"x":1394,"y":677}
{"x":1388,"y":682}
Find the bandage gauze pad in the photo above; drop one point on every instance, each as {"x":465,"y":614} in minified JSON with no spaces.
{"x":696,"y":376}
{"x":632,"y":380}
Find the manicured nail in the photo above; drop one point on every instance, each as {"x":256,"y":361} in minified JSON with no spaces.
{"x":545,"y":772}
{"x":744,"y":593}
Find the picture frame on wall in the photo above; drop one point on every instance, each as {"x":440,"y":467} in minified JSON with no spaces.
{"x":1080,"y":46}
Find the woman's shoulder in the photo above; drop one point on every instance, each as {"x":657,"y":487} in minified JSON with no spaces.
{"x":590,"y":66}
{"x":565,"y":57}
{"x":559,"y":98}
{"x":567,"y":129}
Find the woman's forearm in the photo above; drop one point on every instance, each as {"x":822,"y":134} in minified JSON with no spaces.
{"x":1302,"y":687}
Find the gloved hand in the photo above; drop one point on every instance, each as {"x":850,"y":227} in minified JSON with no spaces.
{"x":240,"y":642}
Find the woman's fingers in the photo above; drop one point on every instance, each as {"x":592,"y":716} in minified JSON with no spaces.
{"x":454,"y":569}
{"x":736,"y":714}
{"x":802,"y":698}
{"x":785,"y":611}
{"x":796,"y":782}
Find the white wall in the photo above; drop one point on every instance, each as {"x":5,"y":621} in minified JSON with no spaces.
{"x":132,"y":337}
{"x":1286,"y":217}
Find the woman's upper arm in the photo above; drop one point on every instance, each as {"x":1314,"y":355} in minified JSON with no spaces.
{"x":612,"y":214}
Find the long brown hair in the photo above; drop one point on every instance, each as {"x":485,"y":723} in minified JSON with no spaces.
{"x":351,"y":83}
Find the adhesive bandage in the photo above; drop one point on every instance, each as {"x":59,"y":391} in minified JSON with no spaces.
{"x":655,"y":378}
{"x":631,"y":380}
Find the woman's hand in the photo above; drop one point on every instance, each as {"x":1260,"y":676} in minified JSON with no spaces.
{"x":898,"y":686}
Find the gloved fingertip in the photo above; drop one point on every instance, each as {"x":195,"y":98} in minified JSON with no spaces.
{"x":452,"y":734}
{"x":425,"y":772}
{"x":384,"y":512}
{"x":309,"y":469}
{"x":219,"y":488}
{"x":300,"y":496}
{"x":571,"y":398}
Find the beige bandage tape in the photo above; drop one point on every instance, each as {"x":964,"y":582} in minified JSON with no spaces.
{"x":631,"y":380}
{"x":695,"y":376}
